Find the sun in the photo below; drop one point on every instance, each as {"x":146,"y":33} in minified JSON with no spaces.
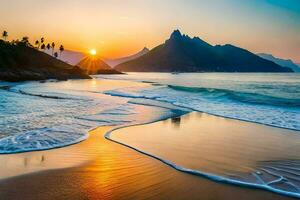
{"x":93,"y":52}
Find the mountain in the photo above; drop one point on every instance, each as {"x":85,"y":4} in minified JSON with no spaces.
{"x":282,"y":62}
{"x":69,"y":56}
{"x":94,"y":65}
{"x":20,"y":62}
{"x":180,"y":53}
{"x":115,"y":62}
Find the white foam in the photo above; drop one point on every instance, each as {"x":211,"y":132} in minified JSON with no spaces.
{"x":282,"y":117}
{"x":217,"y":178}
{"x":42,"y":139}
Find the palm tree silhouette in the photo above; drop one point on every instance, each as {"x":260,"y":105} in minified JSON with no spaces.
{"x":43,"y":46}
{"x":48,"y":46}
{"x":61,"y":49}
{"x":53,"y":46}
{"x":37,"y":43}
{"x":5,"y":35}
{"x":25,"y":40}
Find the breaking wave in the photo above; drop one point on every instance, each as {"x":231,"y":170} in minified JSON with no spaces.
{"x":244,"y":97}
{"x":258,"y":108}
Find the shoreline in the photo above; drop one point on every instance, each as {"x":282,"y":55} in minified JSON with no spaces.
{"x":202,"y":174}
{"x":171,"y":104}
{"x":97,"y":168}
{"x":209,"y":113}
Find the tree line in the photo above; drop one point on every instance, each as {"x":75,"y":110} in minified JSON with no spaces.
{"x":39,"y":44}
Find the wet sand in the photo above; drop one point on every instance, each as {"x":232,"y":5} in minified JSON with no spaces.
{"x":212,"y":144}
{"x":100,"y":169}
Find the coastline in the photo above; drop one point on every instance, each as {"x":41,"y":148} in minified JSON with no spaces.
{"x":241,"y":149}
{"x":100,"y":169}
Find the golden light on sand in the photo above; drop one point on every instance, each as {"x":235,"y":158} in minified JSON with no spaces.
{"x":93,"y":52}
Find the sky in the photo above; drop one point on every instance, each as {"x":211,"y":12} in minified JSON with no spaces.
{"x":122,"y":27}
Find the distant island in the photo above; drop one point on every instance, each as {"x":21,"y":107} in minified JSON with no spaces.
{"x":93,"y":65}
{"x":180,"y":53}
{"x":117,"y":61}
{"x":282,"y":62}
{"x":20,"y":61}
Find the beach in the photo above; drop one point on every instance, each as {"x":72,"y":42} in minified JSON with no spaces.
{"x":137,"y":100}
{"x":101,"y":169}
{"x":150,"y":136}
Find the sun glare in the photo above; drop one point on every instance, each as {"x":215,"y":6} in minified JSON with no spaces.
{"x":93,"y":52}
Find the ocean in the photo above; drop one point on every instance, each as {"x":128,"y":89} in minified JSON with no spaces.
{"x":37,"y":116}
{"x":271,"y":99}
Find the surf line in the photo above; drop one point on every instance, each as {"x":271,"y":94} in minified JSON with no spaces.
{"x":209,"y":176}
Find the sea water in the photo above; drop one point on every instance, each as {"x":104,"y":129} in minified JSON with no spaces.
{"x":271,"y":99}
{"x":46,"y":115}
{"x":39,"y":116}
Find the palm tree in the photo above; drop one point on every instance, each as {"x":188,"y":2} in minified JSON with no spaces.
{"x":48,"y":46}
{"x":53,"y":46}
{"x":55,"y":54}
{"x":25,"y":40}
{"x":61,"y":49}
{"x":5,"y":35}
{"x":43,"y":46}
{"x":37,"y":43}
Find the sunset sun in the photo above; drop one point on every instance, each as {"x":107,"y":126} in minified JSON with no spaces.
{"x":93,"y":52}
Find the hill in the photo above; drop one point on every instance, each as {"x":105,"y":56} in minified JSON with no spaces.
{"x":115,"y":62}
{"x":282,"y":62}
{"x":180,"y":53}
{"x":20,"y":62}
{"x":69,"y":56}
{"x":93,"y":65}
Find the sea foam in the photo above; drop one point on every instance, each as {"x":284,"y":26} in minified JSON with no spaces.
{"x":242,"y":106}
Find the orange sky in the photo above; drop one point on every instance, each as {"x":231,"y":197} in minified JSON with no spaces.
{"x":121,"y":27}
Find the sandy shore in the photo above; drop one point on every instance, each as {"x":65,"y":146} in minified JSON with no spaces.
{"x":100,"y":169}
{"x":215,"y":145}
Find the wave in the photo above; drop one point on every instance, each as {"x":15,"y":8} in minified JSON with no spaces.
{"x":47,"y":96}
{"x":244,"y":97}
{"x":217,"y":178}
{"x":44,"y":124}
{"x":42,"y":139}
{"x":43,"y":96}
{"x":5,"y":87}
{"x":58,"y":136}
{"x":118,"y":93}
{"x":218,"y":104}
{"x":104,"y":121}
